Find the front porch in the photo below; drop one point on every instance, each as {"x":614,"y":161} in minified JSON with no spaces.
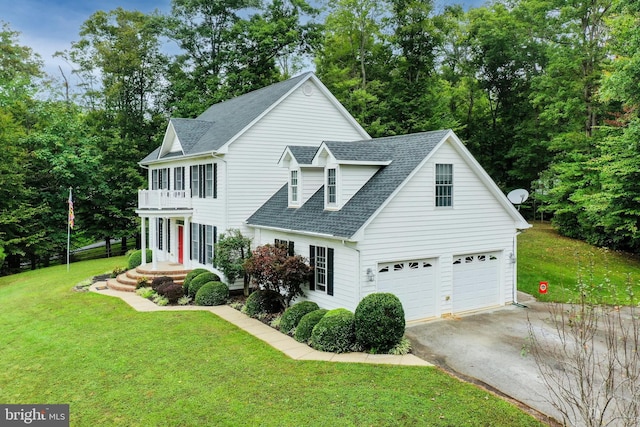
{"x":128,"y":280}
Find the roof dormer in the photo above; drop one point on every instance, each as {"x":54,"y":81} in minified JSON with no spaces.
{"x":347,"y":168}
{"x":304,"y":179}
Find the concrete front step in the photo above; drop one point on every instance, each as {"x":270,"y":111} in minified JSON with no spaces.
{"x":134,"y":275}
{"x":117,"y":286}
{"x":129,"y":280}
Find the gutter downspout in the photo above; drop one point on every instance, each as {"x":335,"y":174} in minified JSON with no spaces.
{"x":514,"y":273}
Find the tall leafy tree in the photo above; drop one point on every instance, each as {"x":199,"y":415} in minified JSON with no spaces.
{"x":418,"y":99}
{"x":122,"y":49}
{"x":353,"y":62}
{"x":20,"y":69}
{"x":231,"y":47}
{"x":506,"y":58}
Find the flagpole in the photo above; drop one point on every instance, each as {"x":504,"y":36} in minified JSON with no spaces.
{"x":69,"y":227}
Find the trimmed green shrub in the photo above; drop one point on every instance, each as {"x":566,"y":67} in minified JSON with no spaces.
{"x":212,"y":293}
{"x":135,"y":259}
{"x":335,"y":332}
{"x":293,"y":314}
{"x":379,"y":322}
{"x":192,"y":275}
{"x":200,"y":280}
{"x":307,"y":323}
{"x":262,"y":301}
{"x":171,"y":291}
{"x":155,"y":283}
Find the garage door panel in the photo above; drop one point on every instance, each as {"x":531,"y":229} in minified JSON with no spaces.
{"x":475,"y":282}
{"x":413,"y":282}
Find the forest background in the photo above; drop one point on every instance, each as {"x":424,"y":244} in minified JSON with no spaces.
{"x":545,"y":94}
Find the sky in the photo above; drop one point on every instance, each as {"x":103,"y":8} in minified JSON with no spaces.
{"x":48,"y":26}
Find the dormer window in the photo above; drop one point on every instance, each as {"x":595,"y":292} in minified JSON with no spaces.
{"x":294,"y":188}
{"x":331,"y":187}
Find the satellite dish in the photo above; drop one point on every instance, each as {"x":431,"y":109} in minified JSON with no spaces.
{"x":518,"y":196}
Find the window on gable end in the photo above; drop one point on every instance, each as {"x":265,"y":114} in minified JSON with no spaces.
{"x":444,"y":185}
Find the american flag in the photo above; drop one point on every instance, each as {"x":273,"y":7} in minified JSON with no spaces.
{"x":72,"y":216}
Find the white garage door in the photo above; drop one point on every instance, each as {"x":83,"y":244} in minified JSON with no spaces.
{"x":475,"y":281}
{"x":413,"y":282}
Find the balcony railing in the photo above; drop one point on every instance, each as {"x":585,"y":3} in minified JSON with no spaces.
{"x":164,"y":199}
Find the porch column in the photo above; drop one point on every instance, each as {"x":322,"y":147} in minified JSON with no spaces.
{"x":186,"y":256}
{"x":153,"y":237}
{"x":143,"y":237}
{"x":165,"y":230}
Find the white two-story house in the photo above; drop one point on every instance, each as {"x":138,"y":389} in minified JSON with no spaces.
{"x":414,"y":215}
{"x":212,"y":172}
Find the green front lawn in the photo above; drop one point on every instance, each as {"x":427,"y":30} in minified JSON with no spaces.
{"x":115,"y":366}
{"x":543,"y":255}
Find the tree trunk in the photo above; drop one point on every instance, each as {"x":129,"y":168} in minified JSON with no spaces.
{"x":123,"y":246}
{"x":246,"y":285}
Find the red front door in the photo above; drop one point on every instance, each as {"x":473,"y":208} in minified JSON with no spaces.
{"x":180,"y":244}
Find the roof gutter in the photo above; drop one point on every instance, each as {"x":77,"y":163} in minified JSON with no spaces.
{"x":304,"y":233}
{"x":183,"y":157}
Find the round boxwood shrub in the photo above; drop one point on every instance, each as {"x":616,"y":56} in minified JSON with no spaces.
{"x":307,"y":323}
{"x":292,"y":315}
{"x":335,"y":332}
{"x":379,"y":322}
{"x":155,"y":283}
{"x":192,"y":275}
{"x":212,"y":293}
{"x":172,"y":291}
{"x":135,"y":259}
{"x":200,"y":280}
{"x":262,"y":301}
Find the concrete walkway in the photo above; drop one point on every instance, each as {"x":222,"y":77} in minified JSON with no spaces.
{"x":274,"y":338}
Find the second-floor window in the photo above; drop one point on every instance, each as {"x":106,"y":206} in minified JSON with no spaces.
{"x":444,"y":185}
{"x":178,"y":178}
{"x":204,"y":180}
{"x":331,"y":186}
{"x":160,"y":179}
{"x":294,"y":187}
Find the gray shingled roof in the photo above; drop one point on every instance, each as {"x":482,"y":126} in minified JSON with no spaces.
{"x":222,"y":121}
{"x":364,"y":151}
{"x":405,"y":153}
{"x":303,"y":154}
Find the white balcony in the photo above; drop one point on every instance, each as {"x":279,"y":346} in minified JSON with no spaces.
{"x":164,"y":199}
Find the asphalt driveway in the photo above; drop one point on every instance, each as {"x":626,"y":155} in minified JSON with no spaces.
{"x":487,"y":349}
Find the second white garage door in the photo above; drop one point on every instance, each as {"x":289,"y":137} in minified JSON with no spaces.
{"x":414,"y":283}
{"x":476,"y":282}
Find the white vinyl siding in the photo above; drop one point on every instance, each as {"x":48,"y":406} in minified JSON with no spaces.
{"x":352,"y":178}
{"x":297,"y":120}
{"x":411,"y":227}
